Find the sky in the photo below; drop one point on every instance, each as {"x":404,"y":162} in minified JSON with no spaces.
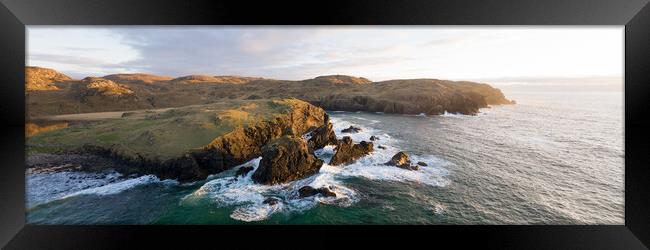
{"x":502,"y":55}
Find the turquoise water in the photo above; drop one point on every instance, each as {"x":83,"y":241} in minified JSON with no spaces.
{"x":554,"y":158}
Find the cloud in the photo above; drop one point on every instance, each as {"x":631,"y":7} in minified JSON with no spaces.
{"x":299,"y":52}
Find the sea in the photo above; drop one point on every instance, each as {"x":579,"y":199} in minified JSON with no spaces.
{"x":556,"y":157}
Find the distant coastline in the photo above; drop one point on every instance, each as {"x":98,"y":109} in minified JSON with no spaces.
{"x":52,"y":93}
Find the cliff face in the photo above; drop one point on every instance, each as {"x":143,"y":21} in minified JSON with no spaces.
{"x":334,"y":92}
{"x":286,"y":159}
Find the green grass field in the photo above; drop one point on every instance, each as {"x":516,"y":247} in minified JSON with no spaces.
{"x":160,"y":135}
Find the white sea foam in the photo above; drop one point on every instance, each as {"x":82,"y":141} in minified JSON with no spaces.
{"x":46,"y":187}
{"x":372,"y":166}
{"x":453,"y":115}
{"x":248,"y":197}
{"x":118,"y":187}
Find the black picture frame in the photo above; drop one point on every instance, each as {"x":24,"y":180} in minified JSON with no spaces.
{"x":635,"y":15}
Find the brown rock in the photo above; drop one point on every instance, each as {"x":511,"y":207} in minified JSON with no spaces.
{"x":351,"y":129}
{"x":323,"y":135}
{"x":401,"y":160}
{"x":286,"y":159}
{"x":347,"y":152}
{"x":326,"y":192}
{"x":271,"y":201}
{"x":307,"y":191}
{"x":100,"y":86}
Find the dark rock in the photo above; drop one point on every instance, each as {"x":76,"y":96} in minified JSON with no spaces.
{"x":322,"y":136}
{"x":286,"y":159}
{"x":401,"y":160}
{"x":422,"y":163}
{"x":243,"y":171}
{"x":326,"y":192}
{"x":381,"y":147}
{"x":271,"y":201}
{"x":347,"y":152}
{"x":351,"y":129}
{"x":374,"y":138}
{"x":307,"y":191}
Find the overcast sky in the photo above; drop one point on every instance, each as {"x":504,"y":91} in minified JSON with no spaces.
{"x":504,"y":55}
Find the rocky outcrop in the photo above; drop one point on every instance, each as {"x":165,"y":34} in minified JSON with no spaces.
{"x":401,"y":160}
{"x":347,"y":151}
{"x":374,"y":138}
{"x":308,"y":191}
{"x":37,"y":78}
{"x":351,"y":129}
{"x":91,"y":86}
{"x":322,"y":136}
{"x":286,"y":159}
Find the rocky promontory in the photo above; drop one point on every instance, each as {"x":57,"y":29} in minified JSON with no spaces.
{"x":187,"y":143}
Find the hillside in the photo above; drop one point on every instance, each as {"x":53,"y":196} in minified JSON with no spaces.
{"x":122,"y":92}
{"x":137,"y":78}
{"x":37,"y":79}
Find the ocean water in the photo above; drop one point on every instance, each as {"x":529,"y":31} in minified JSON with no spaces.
{"x":554,"y":158}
